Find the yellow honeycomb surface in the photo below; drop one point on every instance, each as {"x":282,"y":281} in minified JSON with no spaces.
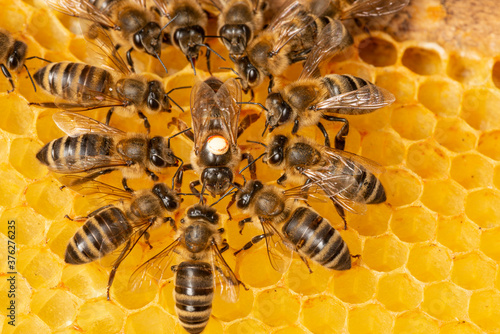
{"x":427,"y":259}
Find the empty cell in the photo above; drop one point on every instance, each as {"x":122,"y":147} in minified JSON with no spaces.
{"x":226,"y":311}
{"x":455,"y":134}
{"x":23,"y":296}
{"x":265,"y":276}
{"x":467,"y":70}
{"x":495,"y":74}
{"x":136,"y":298}
{"x":16,"y":116}
{"x":471,"y":171}
{"x":429,"y":263}
{"x":473,"y":271}
{"x":413,"y":122}
{"x":384,"y":147}
{"x":28,"y":324}
{"x":385,"y":253}
{"x":290,"y":330}
{"x":483,"y":207}
{"x":444,"y":197}
{"x":413,"y":224}
{"x":489,"y":143}
{"x":399,"y":292}
{"x":300,"y":280}
{"x":57,"y":308}
{"x":166,"y":299}
{"x":355,"y":286}
{"x":86,"y":281}
{"x":46,"y":198}
{"x":484,"y":309}
{"x":246,"y":326}
{"x":23,"y":158}
{"x":78,"y":47}
{"x":277,"y":307}
{"x":377,"y":52}
{"x":481,"y":109}
{"x":371,"y":318}
{"x":100,"y":317}
{"x":489,"y":243}
{"x":323,"y":314}
{"x":373,"y":222}
{"x":13,"y":16}
{"x":458,"y":233}
{"x":422,"y":61}
{"x":401,"y":187}
{"x":442,"y":97}
{"x":150,"y":320}
{"x":428,"y":160}
{"x":48,"y":31}
{"x":12,"y":185}
{"x":30,"y":226}
{"x":46,"y":129}
{"x":40,"y":267}
{"x":461,"y":327}
{"x":398,"y":83}
{"x":445,"y":301}
{"x":415,"y":322}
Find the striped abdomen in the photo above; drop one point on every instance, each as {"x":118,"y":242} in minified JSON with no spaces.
{"x":103,"y":232}
{"x":316,"y":239}
{"x":194,"y":292}
{"x":74,"y":82}
{"x":72,"y":154}
{"x":337,"y":84}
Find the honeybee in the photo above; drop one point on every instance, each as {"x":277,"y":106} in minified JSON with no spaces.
{"x":80,"y":87}
{"x":94,"y":148}
{"x":288,"y":39}
{"x":310,"y":98}
{"x":291,"y":226}
{"x":124,"y":222}
{"x":202,"y":272}
{"x":216,"y":155}
{"x":346,"y":178}
{"x":129,"y":21}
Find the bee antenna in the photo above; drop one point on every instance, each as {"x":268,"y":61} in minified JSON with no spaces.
{"x":227,"y":193}
{"x":212,"y":50}
{"x":265,"y":128}
{"x":232,"y":70}
{"x":251,"y":163}
{"x":254,"y":103}
{"x":166,"y":25}
{"x":202,"y":193}
{"x":170,"y":91}
{"x":159,"y":59}
{"x":257,"y":142}
{"x":39,"y":58}
{"x":32,"y":82}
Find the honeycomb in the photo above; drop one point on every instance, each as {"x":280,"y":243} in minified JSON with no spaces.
{"x":428,"y":258}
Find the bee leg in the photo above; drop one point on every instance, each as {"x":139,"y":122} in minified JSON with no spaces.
{"x":174,"y":268}
{"x":192,"y":187}
{"x":252,"y":242}
{"x":296,"y":124}
{"x":172,"y":223}
{"x":306,"y":263}
{"x":281,"y":179}
{"x":225,"y":246}
{"x":6,"y":72}
{"x":271,"y":84}
{"x":129,"y":59}
{"x":252,"y":167}
{"x":181,"y":126}
{"x":246,"y":122}
{"x":207,"y":55}
{"x":125,"y":186}
{"x":241,"y":223}
{"x":341,"y":212}
{"x":180,"y":174}
{"x":109,"y":114}
{"x":344,"y":131}
{"x":146,"y":239}
{"x":230,"y":204}
{"x":325,"y":133}
{"x":146,"y":122}
{"x":126,"y":250}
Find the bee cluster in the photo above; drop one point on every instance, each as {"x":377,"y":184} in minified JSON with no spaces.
{"x":310,"y":32}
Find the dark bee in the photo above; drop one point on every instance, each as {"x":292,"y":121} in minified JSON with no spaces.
{"x":129,"y":21}
{"x":123,"y":223}
{"x":94,"y":148}
{"x":289,"y":225}
{"x":202,"y":272}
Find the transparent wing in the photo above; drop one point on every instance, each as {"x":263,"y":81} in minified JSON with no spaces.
{"x":97,"y":192}
{"x":83,"y":9}
{"x":163,"y":6}
{"x":369,"y":97}
{"x":356,"y":163}
{"x":202,"y":104}
{"x":371,"y":8}
{"x":279,"y":250}
{"x":227,"y":98}
{"x":329,"y":43}
{"x":225,"y":281}
{"x":74,"y":124}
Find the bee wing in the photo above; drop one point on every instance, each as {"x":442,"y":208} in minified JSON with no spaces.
{"x":369,"y":97}
{"x":163,"y":6}
{"x":279,"y":251}
{"x":371,"y":8}
{"x":83,"y":9}
{"x":74,"y":124}
{"x":227,"y":98}
{"x":202,"y":103}
{"x":356,"y":163}
{"x":154,"y":268}
{"x":329,"y":43}
{"x":95,"y":189}
{"x":225,"y":281}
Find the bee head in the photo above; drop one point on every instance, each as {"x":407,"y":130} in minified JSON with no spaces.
{"x":247,"y":193}
{"x":247,"y":71}
{"x":275,"y":150}
{"x":217,"y":180}
{"x":190,"y":40}
{"x":149,"y":39}
{"x":203,"y":212}
{"x":278,"y":111}
{"x":16,"y":56}
{"x":160,"y":155}
{"x":235,"y":37}
{"x":168,"y":197}
{"x":156,"y":98}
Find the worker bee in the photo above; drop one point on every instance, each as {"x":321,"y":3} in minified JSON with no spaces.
{"x":202,"y":272}
{"x":310,"y":98}
{"x":290,"y":226}
{"x":121,"y":224}
{"x":129,"y":21}
{"x":80,"y":87}
{"x":216,"y":155}
{"x":346,"y":178}
{"x":287,"y":40}
{"x":94,"y":148}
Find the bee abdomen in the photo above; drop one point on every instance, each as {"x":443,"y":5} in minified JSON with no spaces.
{"x":101,"y":234}
{"x":337,"y":84}
{"x":370,"y":190}
{"x":316,"y":239}
{"x":194,"y":292}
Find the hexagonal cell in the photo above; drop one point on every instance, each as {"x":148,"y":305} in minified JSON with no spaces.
{"x":12,"y":14}
{"x":131,"y":299}
{"x":445,"y":301}
{"x":41,"y":268}
{"x":370,"y":318}
{"x":30,"y":227}
{"x":374,"y":222}
{"x":401,"y":187}
{"x":461,"y":327}
{"x":46,"y":198}
{"x":300,"y":280}
{"x":375,"y":120}
{"x":445,"y":197}
{"x":48,"y":31}
{"x":421,"y":60}
{"x":442,"y":97}
{"x":384,"y":253}
{"x":265,"y":276}
{"x":467,"y":70}
{"x":489,"y":143}
{"x":398,"y":292}
{"x":398,"y":83}
{"x":386,"y":148}
{"x":246,"y":326}
{"x":455,"y":134}
{"x":483,"y":207}
{"x":471,"y":171}
{"x":415,"y":322}
{"x":413,"y":224}
{"x":489,"y":243}
{"x":353,"y":241}
{"x":429,"y":263}
{"x":323,"y":314}
{"x":27,"y":324}
{"x":150,"y":320}
{"x":85,"y":281}
{"x":59,"y":234}
{"x":484,"y":309}
{"x":12,"y":186}
{"x":473,"y":271}
{"x":17,"y":117}
{"x":226,"y":311}
{"x":100,"y":317}
{"x":55,"y":307}
{"x":377,"y":52}
{"x":23,"y":158}
{"x":46,"y":129}
{"x":428,"y":160}
{"x":413,"y":122}
{"x":277,"y":307}
{"x":355,"y":286}
{"x":495,"y":74}
{"x":458,"y":233}
{"x":480,"y":109}
{"x":166,"y":299}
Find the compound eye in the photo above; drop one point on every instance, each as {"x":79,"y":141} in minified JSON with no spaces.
{"x":157,"y":161}
{"x":178,"y":35}
{"x":172,"y":204}
{"x":138,"y":40}
{"x":252,"y":75}
{"x":276,"y":158}
{"x":153,"y":104}
{"x":285,"y":113}
{"x":246,"y":31}
{"x":13,"y":61}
